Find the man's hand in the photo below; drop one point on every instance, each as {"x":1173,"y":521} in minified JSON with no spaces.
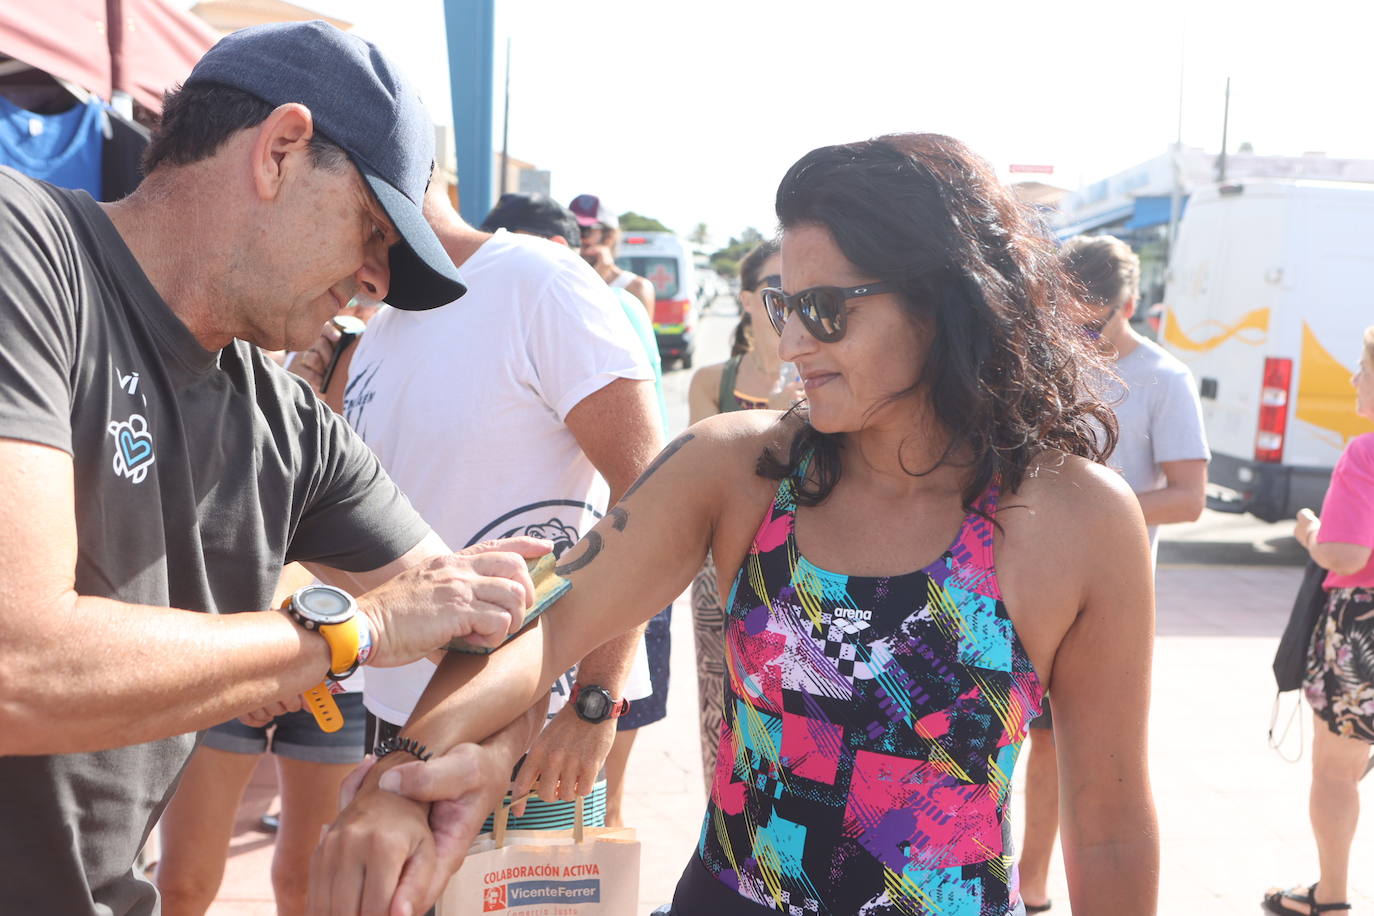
{"x":479,"y":594}
{"x":412,"y":848}
{"x":260,"y":717}
{"x":378,"y":841}
{"x":564,"y":760}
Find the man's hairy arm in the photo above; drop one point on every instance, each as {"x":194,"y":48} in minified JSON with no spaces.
{"x":79,"y":672}
{"x":82,"y":673}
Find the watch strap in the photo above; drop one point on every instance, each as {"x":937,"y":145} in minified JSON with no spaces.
{"x":345,"y":645}
{"x":350,"y":642}
{"x":320,"y":701}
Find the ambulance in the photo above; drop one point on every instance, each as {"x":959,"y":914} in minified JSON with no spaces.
{"x":665,"y":260}
{"x":1269,"y":289}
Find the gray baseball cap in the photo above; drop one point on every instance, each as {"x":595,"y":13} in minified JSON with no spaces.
{"x":362,"y":103}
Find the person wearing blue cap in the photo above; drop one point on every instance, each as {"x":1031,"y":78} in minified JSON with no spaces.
{"x":157,"y":463}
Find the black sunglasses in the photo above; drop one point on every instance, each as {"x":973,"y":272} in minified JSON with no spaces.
{"x":821,"y":308}
{"x":1093,"y":330}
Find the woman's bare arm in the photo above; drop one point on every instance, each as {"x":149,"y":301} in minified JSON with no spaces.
{"x":630,"y":566}
{"x":1101,"y":690}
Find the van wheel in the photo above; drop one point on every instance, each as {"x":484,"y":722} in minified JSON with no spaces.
{"x":686,"y":360}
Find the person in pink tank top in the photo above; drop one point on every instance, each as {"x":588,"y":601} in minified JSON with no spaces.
{"x":1339,"y":684}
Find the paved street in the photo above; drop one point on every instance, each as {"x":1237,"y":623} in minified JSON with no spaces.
{"x":1232,"y":811}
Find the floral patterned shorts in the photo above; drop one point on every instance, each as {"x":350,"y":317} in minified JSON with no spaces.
{"x":1340,"y":664}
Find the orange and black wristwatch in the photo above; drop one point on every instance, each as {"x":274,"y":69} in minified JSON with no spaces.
{"x":334,"y":614}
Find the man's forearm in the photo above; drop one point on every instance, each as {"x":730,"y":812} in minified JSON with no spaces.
{"x":609,"y":665}
{"x":1171,"y":505}
{"x":91,"y":673}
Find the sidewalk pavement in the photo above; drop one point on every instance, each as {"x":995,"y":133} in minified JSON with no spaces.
{"x":1232,"y":812}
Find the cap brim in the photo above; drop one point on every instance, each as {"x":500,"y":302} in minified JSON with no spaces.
{"x":422,"y":273}
{"x":586,"y":222}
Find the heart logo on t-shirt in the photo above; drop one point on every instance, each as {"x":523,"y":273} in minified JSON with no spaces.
{"x":137,"y":449}
{"x":133,"y":447}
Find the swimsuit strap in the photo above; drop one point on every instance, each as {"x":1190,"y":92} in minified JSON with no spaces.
{"x":728,"y":401}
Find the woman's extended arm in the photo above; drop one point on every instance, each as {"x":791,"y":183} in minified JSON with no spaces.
{"x":1101,"y":690}
{"x":1339,"y":557}
{"x":634,"y":562}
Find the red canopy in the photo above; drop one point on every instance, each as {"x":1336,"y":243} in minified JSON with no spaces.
{"x":140,"y":46}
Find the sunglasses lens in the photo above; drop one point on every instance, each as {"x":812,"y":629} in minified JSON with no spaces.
{"x":776,"y":307}
{"x":823,"y":309}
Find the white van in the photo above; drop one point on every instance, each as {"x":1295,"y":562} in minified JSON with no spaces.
{"x":1270,"y":286}
{"x":665,"y":260}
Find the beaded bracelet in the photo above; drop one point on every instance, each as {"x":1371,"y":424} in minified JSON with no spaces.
{"x":407,"y":745}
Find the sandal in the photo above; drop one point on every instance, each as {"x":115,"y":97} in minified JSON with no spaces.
{"x":1274,"y":903}
{"x":1039,"y":907}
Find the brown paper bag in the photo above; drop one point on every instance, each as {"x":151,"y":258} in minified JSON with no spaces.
{"x":579,"y":872}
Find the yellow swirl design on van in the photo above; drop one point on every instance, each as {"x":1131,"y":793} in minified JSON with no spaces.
{"x":1252,"y":329}
{"x":1326,"y":398}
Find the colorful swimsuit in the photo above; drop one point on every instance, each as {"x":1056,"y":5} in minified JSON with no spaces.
{"x":871,"y":728}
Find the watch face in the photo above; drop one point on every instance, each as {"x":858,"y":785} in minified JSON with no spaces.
{"x":324,"y":603}
{"x":594,"y":704}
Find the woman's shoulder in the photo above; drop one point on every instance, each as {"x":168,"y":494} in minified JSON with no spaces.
{"x":708,"y":375}
{"x":747,"y":430}
{"x":1069,"y":495}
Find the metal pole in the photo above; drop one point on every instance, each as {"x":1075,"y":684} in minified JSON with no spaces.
{"x":114,"y":39}
{"x":1176,"y":195}
{"x":505,"y":126}
{"x":1225,"y":123}
{"x":471,"y":28}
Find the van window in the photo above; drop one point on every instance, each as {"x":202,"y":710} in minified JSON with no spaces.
{"x":660,"y":271}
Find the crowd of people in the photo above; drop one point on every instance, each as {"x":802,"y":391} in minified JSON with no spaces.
{"x":893,"y":509}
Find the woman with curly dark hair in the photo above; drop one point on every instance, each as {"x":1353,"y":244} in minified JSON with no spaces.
{"x":939,"y":546}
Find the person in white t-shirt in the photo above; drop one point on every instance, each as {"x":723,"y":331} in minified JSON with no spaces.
{"x":530,"y":407}
{"x":1162,"y":453}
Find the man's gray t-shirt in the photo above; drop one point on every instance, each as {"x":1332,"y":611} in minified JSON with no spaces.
{"x":197,"y":475}
{"x":1159,"y":415}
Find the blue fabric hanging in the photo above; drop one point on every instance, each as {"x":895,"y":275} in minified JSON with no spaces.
{"x":62,"y":149}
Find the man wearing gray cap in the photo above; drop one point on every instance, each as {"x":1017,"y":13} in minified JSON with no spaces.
{"x":155,"y":462}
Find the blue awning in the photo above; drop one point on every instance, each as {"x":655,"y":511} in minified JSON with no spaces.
{"x":1104,"y":218}
{"x":1153,"y":211}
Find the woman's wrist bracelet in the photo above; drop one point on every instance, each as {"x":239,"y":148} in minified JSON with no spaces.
{"x":405,"y":745}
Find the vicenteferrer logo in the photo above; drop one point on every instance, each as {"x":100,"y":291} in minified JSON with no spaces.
{"x":494,"y":898}
{"x":531,"y":893}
